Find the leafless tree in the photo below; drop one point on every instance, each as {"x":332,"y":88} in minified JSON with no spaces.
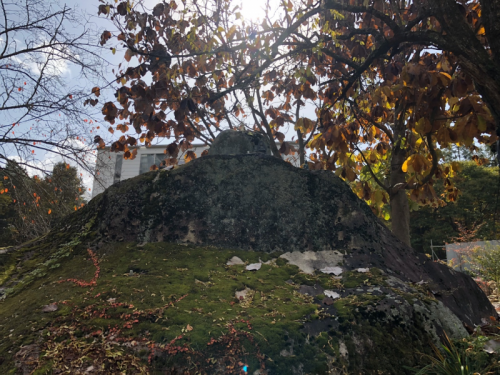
{"x":48,"y":55}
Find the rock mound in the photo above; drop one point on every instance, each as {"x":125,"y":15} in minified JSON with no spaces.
{"x":285,"y":266}
{"x":261,"y":203}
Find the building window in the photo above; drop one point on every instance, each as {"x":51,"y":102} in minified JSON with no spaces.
{"x":118,"y":168}
{"x":149,"y":160}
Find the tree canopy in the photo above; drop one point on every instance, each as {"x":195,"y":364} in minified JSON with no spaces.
{"x":390,"y":84}
{"x":475,"y":211}
{"x":30,"y":206}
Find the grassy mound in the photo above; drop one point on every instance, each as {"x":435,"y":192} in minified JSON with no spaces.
{"x":155,"y":302}
{"x":165,"y":308}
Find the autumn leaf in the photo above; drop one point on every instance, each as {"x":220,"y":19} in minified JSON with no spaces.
{"x":128,"y":54}
{"x":105,"y":36}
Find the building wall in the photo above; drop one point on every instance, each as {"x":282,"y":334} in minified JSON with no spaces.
{"x":105,"y":169}
{"x":106,"y":163}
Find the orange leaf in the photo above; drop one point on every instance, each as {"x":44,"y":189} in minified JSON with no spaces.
{"x":50,"y":211}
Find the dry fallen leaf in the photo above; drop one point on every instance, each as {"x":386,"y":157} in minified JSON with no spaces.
{"x":189,"y":328}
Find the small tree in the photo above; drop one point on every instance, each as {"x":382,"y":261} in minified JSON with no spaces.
{"x":485,"y":261}
{"x":33,"y":205}
{"x":42,"y":112}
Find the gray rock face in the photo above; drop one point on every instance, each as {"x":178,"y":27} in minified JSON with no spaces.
{"x":378,"y":301}
{"x":259,"y":202}
{"x":231,"y":142}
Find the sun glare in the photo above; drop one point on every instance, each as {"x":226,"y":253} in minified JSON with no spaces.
{"x":255,"y":10}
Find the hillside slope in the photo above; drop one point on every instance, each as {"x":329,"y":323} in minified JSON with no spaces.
{"x":138,"y":280}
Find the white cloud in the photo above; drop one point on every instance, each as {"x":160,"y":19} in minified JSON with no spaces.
{"x":57,"y":62}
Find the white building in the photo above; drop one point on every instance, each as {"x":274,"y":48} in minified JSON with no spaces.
{"x":112,"y":168}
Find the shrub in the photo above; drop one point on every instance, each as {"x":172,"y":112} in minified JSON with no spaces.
{"x":485,"y":261}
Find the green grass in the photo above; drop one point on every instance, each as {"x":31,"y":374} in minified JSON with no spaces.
{"x":163,"y":273}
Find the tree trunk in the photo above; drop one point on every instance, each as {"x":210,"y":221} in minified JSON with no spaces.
{"x":301,"y":150}
{"x":400,"y":210}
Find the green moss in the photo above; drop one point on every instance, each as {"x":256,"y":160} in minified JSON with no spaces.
{"x":46,"y":369}
{"x":6,"y":273}
{"x":189,"y":291}
{"x":353,"y":279}
{"x":163,"y":274}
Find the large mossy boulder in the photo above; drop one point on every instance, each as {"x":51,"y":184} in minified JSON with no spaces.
{"x":227,"y":262}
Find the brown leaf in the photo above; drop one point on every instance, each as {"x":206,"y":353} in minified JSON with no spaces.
{"x":129,"y":54}
{"x":109,"y":111}
{"x":105,"y":36}
{"x":122,"y":8}
{"x":158,"y":10}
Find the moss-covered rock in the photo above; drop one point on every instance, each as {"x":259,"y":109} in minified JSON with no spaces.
{"x":141,"y":282}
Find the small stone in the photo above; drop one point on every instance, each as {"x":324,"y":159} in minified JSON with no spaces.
{"x":286,"y":353}
{"x":343,"y":350}
{"x":327,"y":301}
{"x":254,"y":267}
{"x":240,"y":295}
{"x":331,"y":294}
{"x":234,"y":261}
{"x":332,"y":270}
{"x":50,"y":308}
{"x":363,"y":270}
{"x":492,"y":346}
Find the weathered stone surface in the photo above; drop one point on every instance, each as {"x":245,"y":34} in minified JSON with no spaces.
{"x":327,"y":261}
{"x":261,"y":203}
{"x":231,"y":142}
{"x":386,"y":304}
